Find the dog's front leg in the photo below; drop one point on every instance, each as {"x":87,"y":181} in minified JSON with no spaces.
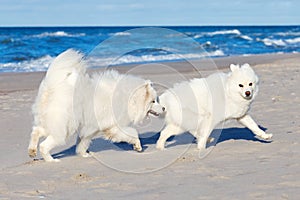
{"x":250,"y":123}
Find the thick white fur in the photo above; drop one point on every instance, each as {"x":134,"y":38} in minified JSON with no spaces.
{"x":69,"y":101}
{"x":197,"y":106}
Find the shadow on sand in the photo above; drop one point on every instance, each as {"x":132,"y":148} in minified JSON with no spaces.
{"x":147,"y":139}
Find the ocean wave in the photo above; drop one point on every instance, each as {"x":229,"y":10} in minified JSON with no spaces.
{"x":40,"y":64}
{"x":272,"y":42}
{"x":225,"y":32}
{"x":289,"y":33}
{"x":198,"y":36}
{"x":246,"y":37}
{"x":120,"y":34}
{"x":207,"y":44}
{"x":293,"y":41}
{"x":58,"y":34}
{"x":279,"y":42}
{"x":131,"y":59}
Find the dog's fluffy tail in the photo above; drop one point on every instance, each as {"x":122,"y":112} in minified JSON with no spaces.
{"x":65,"y":68}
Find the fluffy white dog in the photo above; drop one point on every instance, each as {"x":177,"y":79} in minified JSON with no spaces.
{"x":107,"y":104}
{"x":197,"y":106}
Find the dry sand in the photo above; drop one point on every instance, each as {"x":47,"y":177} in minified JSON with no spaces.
{"x":239,"y":166}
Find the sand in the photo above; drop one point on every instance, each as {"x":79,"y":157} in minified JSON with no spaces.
{"x":240,"y":166}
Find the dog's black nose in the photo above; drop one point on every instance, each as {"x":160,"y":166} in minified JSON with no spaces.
{"x":247,"y":93}
{"x":163,"y":108}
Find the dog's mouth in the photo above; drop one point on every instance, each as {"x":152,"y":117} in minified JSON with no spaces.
{"x":247,"y":98}
{"x":152,"y":112}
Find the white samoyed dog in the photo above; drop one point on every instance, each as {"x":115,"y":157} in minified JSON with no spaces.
{"x":71,"y":101}
{"x":199,"y":105}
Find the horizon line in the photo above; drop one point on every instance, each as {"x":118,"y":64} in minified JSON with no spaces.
{"x":146,"y":25}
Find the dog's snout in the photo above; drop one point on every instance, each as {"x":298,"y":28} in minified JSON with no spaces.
{"x":163,"y":109}
{"x":247,"y":93}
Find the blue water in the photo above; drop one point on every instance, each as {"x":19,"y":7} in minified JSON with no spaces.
{"x":32,"y":49}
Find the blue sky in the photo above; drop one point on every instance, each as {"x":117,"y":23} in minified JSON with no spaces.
{"x":148,"y":12}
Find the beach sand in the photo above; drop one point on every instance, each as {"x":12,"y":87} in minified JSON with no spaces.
{"x":240,"y":166}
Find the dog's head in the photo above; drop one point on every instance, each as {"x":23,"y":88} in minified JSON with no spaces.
{"x":243,"y":81}
{"x":144,"y":102}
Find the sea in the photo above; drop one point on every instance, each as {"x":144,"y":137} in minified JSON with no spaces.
{"x":30,"y":49}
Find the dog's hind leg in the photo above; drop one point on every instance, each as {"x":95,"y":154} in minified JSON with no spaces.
{"x":83,"y":144}
{"x":196,"y":135}
{"x":168,"y":131}
{"x":124,"y":134}
{"x":45,"y":147}
{"x":84,"y":140}
{"x":36,"y":133}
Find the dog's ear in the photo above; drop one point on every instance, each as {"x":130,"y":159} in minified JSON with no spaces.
{"x":148,"y":89}
{"x":149,"y":83}
{"x":248,"y":68}
{"x":234,"y":67}
{"x":246,"y":65}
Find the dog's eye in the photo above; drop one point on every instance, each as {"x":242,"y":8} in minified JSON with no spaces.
{"x":241,"y":85}
{"x":153,"y":101}
{"x":250,"y":84}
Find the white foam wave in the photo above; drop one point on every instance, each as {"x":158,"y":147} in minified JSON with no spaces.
{"x":272,"y":42}
{"x":198,"y":36}
{"x":289,"y":33}
{"x":40,"y":64}
{"x":130,"y":59}
{"x":293,"y":41}
{"x":58,"y":34}
{"x":234,"y":32}
{"x":206,"y":44}
{"x":120,"y":34}
{"x":246,"y":37}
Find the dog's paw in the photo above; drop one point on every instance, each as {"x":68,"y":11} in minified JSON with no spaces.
{"x":32,"y":152}
{"x":87,"y":155}
{"x":266,"y":136}
{"x":204,"y":152}
{"x":201,"y":144}
{"x":137,"y":147}
{"x":201,"y":148}
{"x":160,"y":147}
{"x":53,"y":160}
